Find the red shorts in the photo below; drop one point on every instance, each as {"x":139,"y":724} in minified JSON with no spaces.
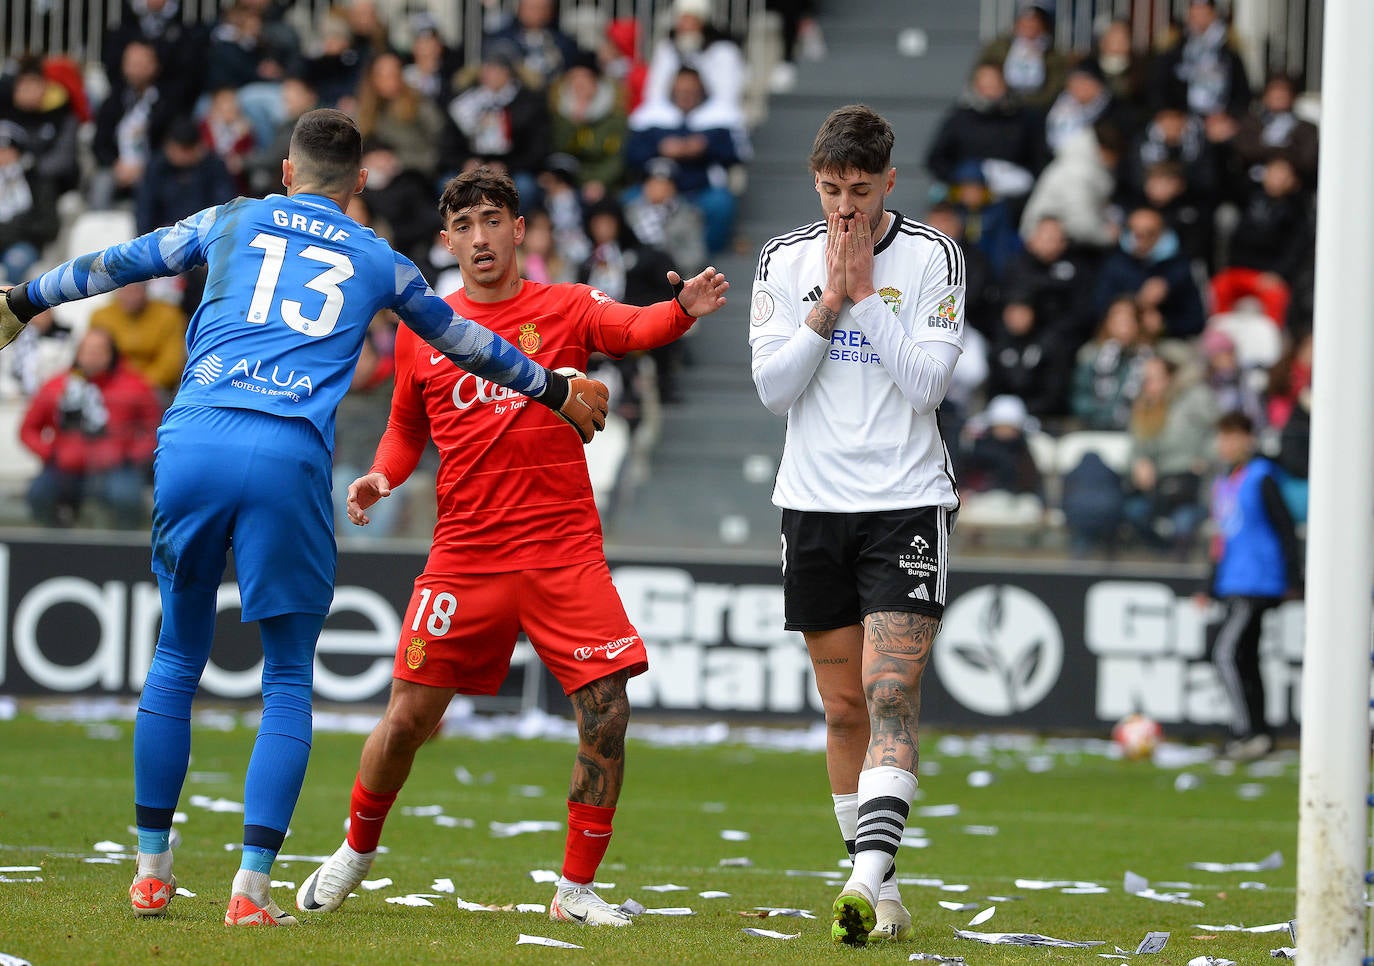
{"x":460,"y":629}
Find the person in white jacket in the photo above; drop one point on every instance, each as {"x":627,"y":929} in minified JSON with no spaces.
{"x":1076,"y":188}
{"x":695,"y":42}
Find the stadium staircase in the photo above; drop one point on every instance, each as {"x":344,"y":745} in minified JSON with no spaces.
{"x":706,"y":484}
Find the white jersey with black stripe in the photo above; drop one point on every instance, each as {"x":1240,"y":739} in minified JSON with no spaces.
{"x":854,"y":441}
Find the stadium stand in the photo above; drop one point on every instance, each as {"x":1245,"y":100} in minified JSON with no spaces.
{"x":696,"y":472}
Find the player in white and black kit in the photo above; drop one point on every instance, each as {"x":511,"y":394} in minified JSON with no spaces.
{"x":856,"y":323}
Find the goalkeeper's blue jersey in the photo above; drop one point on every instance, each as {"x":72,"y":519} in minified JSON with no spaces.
{"x":292,"y":285}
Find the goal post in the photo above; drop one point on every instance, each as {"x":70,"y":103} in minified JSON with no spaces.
{"x":1333,"y":817}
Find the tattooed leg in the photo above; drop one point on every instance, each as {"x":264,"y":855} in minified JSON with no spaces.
{"x":896,"y":648}
{"x":603,"y":714}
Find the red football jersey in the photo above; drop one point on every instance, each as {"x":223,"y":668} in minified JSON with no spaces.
{"x":513,"y":490}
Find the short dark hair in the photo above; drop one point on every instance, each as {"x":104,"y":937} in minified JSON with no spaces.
{"x":29,"y":64}
{"x":854,"y":137}
{"x":1236,"y":422}
{"x":326,"y":149}
{"x":476,"y":186}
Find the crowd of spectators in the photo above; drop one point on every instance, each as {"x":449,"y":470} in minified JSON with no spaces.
{"x":1138,"y":223}
{"x":618,"y":160}
{"x":1139,"y":227}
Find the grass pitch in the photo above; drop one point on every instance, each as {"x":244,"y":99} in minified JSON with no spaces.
{"x":1050,"y":812}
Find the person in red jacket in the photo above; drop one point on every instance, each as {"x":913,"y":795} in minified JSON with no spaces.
{"x":95,"y":429}
{"x":517,"y":544}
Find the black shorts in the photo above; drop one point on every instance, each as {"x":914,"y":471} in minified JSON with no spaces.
{"x":837,"y":568}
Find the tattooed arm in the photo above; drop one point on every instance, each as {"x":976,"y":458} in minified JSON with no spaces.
{"x":896,"y":648}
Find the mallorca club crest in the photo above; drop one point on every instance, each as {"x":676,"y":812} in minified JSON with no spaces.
{"x":893,"y":298}
{"x":529,"y":339}
{"x":415,"y":651}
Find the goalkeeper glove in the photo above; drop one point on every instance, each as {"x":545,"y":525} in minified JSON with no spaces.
{"x":584,"y":404}
{"x":15,"y":312}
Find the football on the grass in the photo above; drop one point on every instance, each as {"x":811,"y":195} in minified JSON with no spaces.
{"x":1137,"y":735}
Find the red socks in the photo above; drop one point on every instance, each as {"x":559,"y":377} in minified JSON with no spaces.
{"x":589,"y":834}
{"x":366,"y":814}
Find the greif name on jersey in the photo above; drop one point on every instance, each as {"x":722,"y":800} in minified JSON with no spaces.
{"x":311,"y":226}
{"x":850,"y":345}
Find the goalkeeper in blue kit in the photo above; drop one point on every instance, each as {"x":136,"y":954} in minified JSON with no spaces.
{"x":244,"y":461}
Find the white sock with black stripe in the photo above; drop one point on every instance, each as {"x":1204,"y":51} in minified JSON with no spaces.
{"x":884,"y":802}
{"x":847,"y":815}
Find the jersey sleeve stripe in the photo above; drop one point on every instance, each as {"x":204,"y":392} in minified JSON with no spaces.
{"x":167,"y":251}
{"x":813,"y":230}
{"x":954,"y":256}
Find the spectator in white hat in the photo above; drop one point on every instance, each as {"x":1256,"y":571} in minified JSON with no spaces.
{"x":694,"y":41}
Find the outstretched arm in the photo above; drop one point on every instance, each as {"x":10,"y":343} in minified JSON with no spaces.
{"x":618,"y":329}
{"x":167,"y":251}
{"x":580,"y":401}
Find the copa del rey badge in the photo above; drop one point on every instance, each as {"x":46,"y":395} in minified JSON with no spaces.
{"x":529,"y":339}
{"x":415,"y":651}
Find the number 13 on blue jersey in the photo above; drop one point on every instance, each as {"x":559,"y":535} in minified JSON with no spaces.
{"x":339,"y":269}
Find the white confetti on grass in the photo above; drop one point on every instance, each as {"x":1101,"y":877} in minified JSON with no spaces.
{"x":785,"y":911}
{"x":734,"y":835}
{"x":409,"y":900}
{"x":1274,"y":860}
{"x":1025,"y":939}
{"x":453,"y":821}
{"x":983,"y":916}
{"x":1137,"y":885}
{"x":372,"y":885}
{"x":505,"y":830}
{"x":768,"y":933}
{"x":216,"y":804}
{"x":1042,"y":884}
{"x":665,"y":887}
{"x":545,"y":941}
{"x":1272,"y":927}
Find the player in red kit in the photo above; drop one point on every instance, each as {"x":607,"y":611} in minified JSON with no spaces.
{"x":517,"y":545}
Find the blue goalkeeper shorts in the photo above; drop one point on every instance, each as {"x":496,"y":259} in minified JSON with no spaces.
{"x":257,"y":484}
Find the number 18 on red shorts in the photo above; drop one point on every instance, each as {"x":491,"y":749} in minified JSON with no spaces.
{"x":460,"y":629}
